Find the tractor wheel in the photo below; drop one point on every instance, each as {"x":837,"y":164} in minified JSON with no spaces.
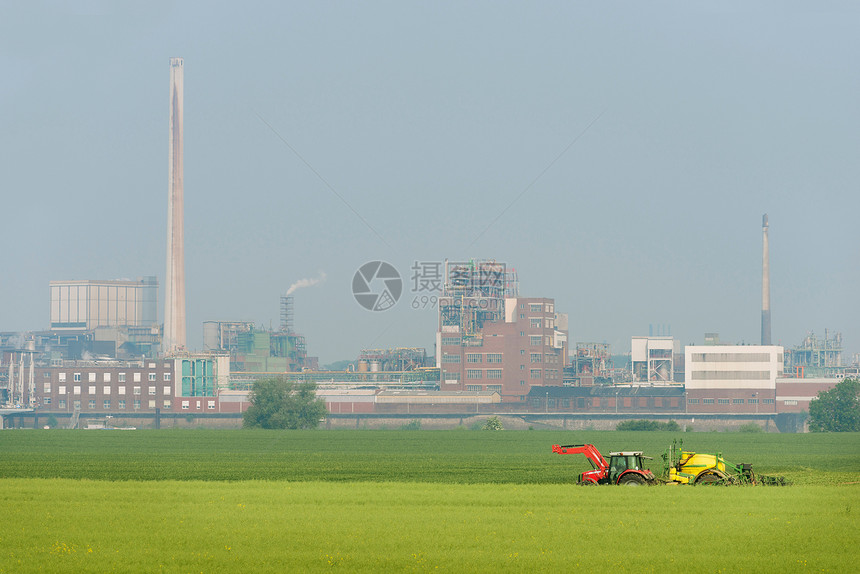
{"x":709,"y":477}
{"x":632,"y":479}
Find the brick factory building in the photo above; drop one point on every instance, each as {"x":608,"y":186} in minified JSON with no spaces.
{"x":490,"y":339}
{"x":187,"y":384}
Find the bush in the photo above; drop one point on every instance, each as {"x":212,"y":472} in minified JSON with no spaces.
{"x":750,"y":427}
{"x":637,"y":425}
{"x":670,"y":426}
{"x":493,"y":423}
{"x":414,"y":424}
{"x":646,"y":425}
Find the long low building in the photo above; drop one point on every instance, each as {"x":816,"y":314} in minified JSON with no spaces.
{"x":794,"y":395}
{"x":607,"y":399}
{"x":201,"y":385}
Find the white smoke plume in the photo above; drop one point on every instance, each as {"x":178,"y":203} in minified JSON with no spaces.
{"x":306,"y":283}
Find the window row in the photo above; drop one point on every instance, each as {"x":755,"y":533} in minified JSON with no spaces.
{"x":730,"y":375}
{"x":106,"y":377}
{"x":733,"y":357}
{"x":727,"y":401}
{"x":605,"y":402}
{"x":107,"y":404}
{"x":480,"y":358}
{"x":106,"y":390}
{"x":541,"y":322}
{"x":187,"y":405}
{"x":480,"y":374}
{"x":539,"y":307}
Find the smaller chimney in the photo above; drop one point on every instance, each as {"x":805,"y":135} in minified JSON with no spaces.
{"x":765,"y":284}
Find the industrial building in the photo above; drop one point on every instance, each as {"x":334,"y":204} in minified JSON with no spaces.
{"x":19,"y":388}
{"x":638,"y":400}
{"x":816,"y":357}
{"x":188,"y":383}
{"x":270,"y":352}
{"x":490,"y":339}
{"x":89,"y":304}
{"x":591,"y":363}
{"x":652,"y":359}
{"x":112,"y":318}
{"x":260,"y":350}
{"x":223,"y":336}
{"x":793,"y":395}
{"x":732,"y":378}
{"x":394,"y":359}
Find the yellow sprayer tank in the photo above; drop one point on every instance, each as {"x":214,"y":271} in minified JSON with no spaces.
{"x":697,"y":467}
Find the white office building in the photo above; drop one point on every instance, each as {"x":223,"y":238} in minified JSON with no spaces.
{"x":732,"y":378}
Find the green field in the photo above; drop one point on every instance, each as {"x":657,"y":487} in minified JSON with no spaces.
{"x":272,"y":501}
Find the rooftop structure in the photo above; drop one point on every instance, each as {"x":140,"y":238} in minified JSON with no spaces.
{"x":473,"y":293}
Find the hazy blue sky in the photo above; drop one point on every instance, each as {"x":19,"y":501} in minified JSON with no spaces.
{"x":430,"y":119}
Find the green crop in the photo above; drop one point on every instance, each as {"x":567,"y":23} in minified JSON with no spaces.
{"x":369,"y":501}
{"x":64,"y":525}
{"x":518,"y":457}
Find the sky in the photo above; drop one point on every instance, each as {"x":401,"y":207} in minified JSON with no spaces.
{"x":618,"y":155}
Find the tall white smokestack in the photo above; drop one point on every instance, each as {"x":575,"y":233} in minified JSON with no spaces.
{"x":174,"y":299}
{"x":765,"y":284}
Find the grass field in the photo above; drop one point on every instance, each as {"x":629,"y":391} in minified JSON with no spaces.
{"x":268,"y":501}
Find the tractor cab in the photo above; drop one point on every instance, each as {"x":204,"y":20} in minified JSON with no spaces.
{"x":620,"y":462}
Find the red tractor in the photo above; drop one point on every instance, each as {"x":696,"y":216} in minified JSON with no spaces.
{"x":626,"y":467}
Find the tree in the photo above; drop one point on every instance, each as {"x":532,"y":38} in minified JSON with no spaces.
{"x":281,"y":404}
{"x":836,"y":410}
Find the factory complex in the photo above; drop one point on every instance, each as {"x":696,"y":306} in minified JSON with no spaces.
{"x":107,"y":361}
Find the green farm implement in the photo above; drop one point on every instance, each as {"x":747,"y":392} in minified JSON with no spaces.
{"x":684,"y":467}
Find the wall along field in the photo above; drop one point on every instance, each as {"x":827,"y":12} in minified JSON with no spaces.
{"x":411,"y":500}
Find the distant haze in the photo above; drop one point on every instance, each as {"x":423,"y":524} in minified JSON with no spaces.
{"x":619,"y":156}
